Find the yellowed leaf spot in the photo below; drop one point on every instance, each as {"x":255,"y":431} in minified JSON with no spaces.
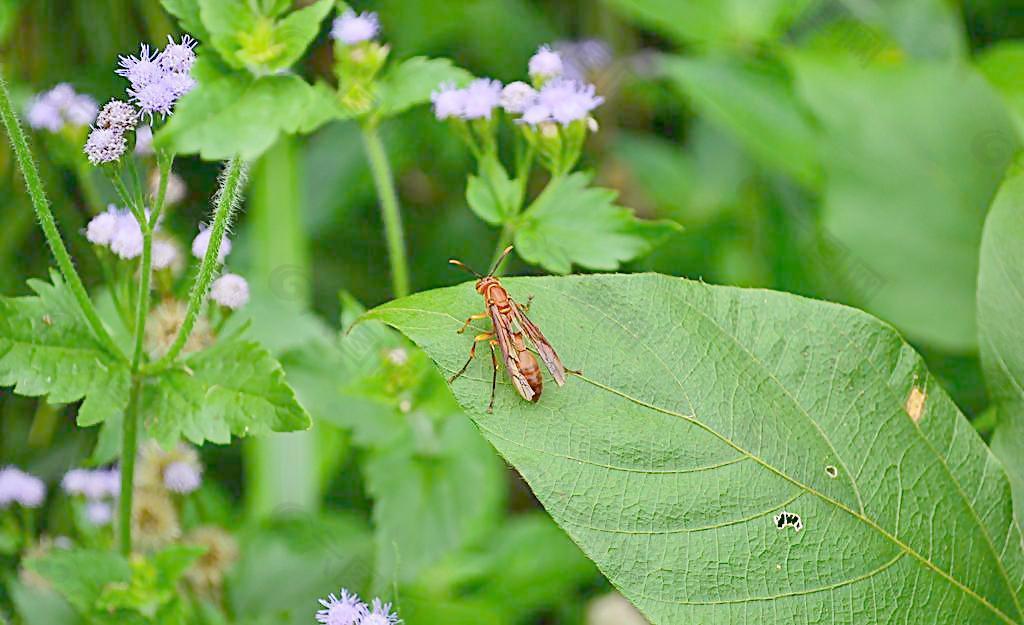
{"x":915,"y":404}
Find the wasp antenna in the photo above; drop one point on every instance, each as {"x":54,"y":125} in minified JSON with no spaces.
{"x":498,"y":262}
{"x":462,"y":265}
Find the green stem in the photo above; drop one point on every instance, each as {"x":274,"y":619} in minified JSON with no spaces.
{"x":390,"y":210}
{"x":129,"y":443}
{"x":46,"y":221}
{"x":227,"y":200}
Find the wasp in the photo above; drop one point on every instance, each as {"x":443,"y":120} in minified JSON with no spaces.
{"x":511,"y":328}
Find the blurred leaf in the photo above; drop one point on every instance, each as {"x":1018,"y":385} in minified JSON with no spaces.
{"x":234,"y":387}
{"x":715,"y":22}
{"x":37,"y":606}
{"x":570,"y":223}
{"x":81,"y":575}
{"x":704,"y":411}
{"x":913,"y":156}
{"x":224,"y":21}
{"x":285,"y":567}
{"x":294,"y":33}
{"x":755,"y":101}
{"x":323,"y":107}
{"x":1000,"y":334}
{"x":46,"y":349}
{"x":492,"y":195}
{"x":231,"y":113}
{"x":928,"y":29}
{"x":410,"y":83}
{"x":187,"y":12}
{"x":1001,"y":64}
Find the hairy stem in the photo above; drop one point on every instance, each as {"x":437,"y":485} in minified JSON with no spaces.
{"x":46,"y":221}
{"x":227,"y":200}
{"x":129,"y":442}
{"x":390,"y":210}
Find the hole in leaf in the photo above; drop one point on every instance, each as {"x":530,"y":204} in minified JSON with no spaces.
{"x":915,"y":404}
{"x":831,"y":471}
{"x":788,"y":519}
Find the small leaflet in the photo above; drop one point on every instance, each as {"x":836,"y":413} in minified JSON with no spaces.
{"x":788,"y":519}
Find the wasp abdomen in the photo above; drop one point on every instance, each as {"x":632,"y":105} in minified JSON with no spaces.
{"x":531,"y":371}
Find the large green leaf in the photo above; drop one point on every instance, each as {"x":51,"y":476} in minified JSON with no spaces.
{"x":1001,"y":65}
{"x":929,"y":29}
{"x":235,"y":387}
{"x":187,"y":12}
{"x":571,"y":223}
{"x":702,"y":412}
{"x":410,"y":83}
{"x":715,"y":22}
{"x":756,"y":102}
{"x":1000,"y":333}
{"x":233,"y":113}
{"x":913,"y":157}
{"x":46,"y":349}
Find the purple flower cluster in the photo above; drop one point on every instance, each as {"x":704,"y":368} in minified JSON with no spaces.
{"x":352,"y":28}
{"x":202,"y":241}
{"x":59,"y":106}
{"x":347,"y":608}
{"x":21,"y":488}
{"x":158,"y":78}
{"x":558,"y":99}
{"x":117,"y":229}
{"x":99,"y":487}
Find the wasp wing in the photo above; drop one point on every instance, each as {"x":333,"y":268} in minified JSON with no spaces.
{"x":547,"y":353}
{"x":509,"y":353}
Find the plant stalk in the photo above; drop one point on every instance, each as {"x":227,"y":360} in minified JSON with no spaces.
{"x":42,"y":207}
{"x":392,"y":215}
{"x":129,"y":444}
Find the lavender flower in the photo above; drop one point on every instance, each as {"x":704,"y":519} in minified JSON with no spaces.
{"x":165,"y":254}
{"x":102,"y":227}
{"x":93,"y":485}
{"x":545,"y":64}
{"x":59,"y":106}
{"x":144,"y":140}
{"x":81,"y":111}
{"x":178,"y":57}
{"x":154,"y":99}
{"x":352,"y":28}
{"x":563,"y":101}
{"x":142,"y":70}
{"x":230,"y":290}
{"x":44,"y":114}
{"x":380,"y":614}
{"x":127,"y":239}
{"x":342,"y":609}
{"x":118,"y":116}
{"x":183,"y":477}
{"x":448,"y":100}
{"x":105,"y":145}
{"x":21,"y":488}
{"x":178,"y":83}
{"x":99,"y":513}
{"x":481,"y":97}
{"x":581,"y":59}
{"x":202,"y":241}
{"x":517,"y":96}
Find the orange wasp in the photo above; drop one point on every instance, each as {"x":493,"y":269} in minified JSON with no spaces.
{"x":510,"y":324}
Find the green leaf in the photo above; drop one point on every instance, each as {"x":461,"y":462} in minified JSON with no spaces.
{"x":410,"y":83}
{"x":1001,"y":64}
{"x":570,"y":223}
{"x":1000,"y":334}
{"x":715,"y":22}
{"x":40,"y":606}
{"x":927,"y":29}
{"x":295,"y":32}
{"x":231,"y":113}
{"x":492,"y":195}
{"x":234,"y":387}
{"x":913,"y":156}
{"x":702,"y":412}
{"x":224,"y":21}
{"x":755,"y":101}
{"x":47,"y":350}
{"x":81,"y":575}
{"x":187,"y":12}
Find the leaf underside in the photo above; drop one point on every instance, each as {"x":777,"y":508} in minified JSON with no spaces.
{"x":704,"y":411}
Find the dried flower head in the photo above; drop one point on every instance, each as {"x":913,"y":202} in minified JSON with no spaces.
{"x":154,"y":519}
{"x":482,"y":96}
{"x":380,"y":614}
{"x":206,"y":575}
{"x":545,"y":64}
{"x":21,"y":488}
{"x":178,"y":57}
{"x":117,"y":115}
{"x":345,"y":608}
{"x":448,"y":100}
{"x":162,"y":328}
{"x":352,"y":28}
{"x":230,"y":290}
{"x":202,"y":241}
{"x":104,"y":145}
{"x":517,"y":96}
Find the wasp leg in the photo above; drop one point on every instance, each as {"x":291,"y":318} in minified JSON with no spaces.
{"x":526,"y":306}
{"x":470,"y":320}
{"x":494,"y":376}
{"x":486,"y":336}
